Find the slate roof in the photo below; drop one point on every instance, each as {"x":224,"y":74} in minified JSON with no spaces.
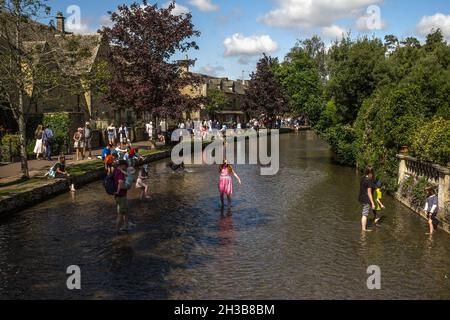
{"x":75,"y":54}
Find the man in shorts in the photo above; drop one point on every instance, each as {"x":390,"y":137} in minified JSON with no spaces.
{"x":88,"y":140}
{"x":121,"y":197}
{"x":366,"y":196}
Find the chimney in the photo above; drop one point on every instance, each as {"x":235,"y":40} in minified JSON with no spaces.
{"x":60,"y":22}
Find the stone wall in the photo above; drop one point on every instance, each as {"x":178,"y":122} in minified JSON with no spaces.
{"x":412,"y":172}
{"x":51,"y":188}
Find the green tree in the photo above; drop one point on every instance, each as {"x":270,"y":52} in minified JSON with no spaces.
{"x":315,"y":48}
{"x":19,"y":67}
{"x":216,"y":100}
{"x":356,"y":68}
{"x":299,"y":76}
{"x":265,"y":95}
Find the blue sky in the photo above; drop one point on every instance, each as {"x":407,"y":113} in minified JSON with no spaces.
{"x":235,"y":33}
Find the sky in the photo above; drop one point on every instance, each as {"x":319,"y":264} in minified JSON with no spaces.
{"x":234,"y":33}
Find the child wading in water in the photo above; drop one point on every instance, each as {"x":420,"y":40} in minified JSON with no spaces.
{"x":431,"y":208}
{"x":226,"y":182}
{"x":378,"y":195}
{"x":142,"y":183}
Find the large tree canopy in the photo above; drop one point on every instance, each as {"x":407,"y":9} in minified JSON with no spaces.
{"x":144,"y":38}
{"x":265,"y":94}
{"x":300,"y":79}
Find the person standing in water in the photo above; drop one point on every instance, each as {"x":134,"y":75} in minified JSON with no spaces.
{"x":431,"y":208}
{"x":226,"y":182}
{"x":366,"y":196}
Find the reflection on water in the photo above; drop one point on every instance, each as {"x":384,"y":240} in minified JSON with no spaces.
{"x":291,"y":236}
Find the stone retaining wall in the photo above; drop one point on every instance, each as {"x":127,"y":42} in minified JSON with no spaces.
{"x":19,"y":201}
{"x":413,"y":170}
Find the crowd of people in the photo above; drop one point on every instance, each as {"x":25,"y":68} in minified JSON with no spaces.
{"x":82,"y":142}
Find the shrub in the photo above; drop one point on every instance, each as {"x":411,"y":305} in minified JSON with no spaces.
{"x":10,"y":147}
{"x":418,"y":195}
{"x":407,"y":187}
{"x":432,"y":142}
{"x":60,"y":124}
{"x":328,"y":118}
{"x":341,"y":138}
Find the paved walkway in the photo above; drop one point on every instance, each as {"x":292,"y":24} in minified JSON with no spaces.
{"x":12,"y":172}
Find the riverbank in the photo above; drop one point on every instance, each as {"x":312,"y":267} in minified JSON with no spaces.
{"x":30,"y":192}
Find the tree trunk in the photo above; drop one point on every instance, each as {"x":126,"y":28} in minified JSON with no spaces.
{"x":23,"y":137}
{"x":20,"y":114}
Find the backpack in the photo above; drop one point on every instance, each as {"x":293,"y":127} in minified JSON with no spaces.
{"x":110,"y":185}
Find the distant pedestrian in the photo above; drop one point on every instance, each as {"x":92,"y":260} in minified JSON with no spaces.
{"x":366,"y":196}
{"x":431,"y":208}
{"x":149,"y":128}
{"x":78,"y":145}
{"x":47,"y":139}
{"x":87,"y":140}
{"x":123,"y":134}
{"x":112,"y":134}
{"x":39,"y":146}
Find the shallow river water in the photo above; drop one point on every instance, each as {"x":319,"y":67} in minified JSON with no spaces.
{"x":295,"y":235}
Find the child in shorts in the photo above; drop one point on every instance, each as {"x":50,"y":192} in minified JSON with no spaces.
{"x":142,"y":183}
{"x":378,"y":195}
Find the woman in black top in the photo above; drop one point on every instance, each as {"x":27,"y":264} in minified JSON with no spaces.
{"x":366,"y":196}
{"x":61,"y":172}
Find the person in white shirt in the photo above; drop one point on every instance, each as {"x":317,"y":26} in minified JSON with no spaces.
{"x":149,"y":128}
{"x":431,"y":208}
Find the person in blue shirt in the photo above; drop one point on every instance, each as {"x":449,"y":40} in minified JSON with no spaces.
{"x":47,"y":139}
{"x":106,"y":151}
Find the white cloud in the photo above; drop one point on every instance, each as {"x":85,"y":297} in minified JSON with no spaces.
{"x":239,"y":45}
{"x":317,"y":13}
{"x":334,"y":31}
{"x":210,"y":70}
{"x":438,"y":21}
{"x":178,"y":10}
{"x":204,"y":5}
{"x":106,"y":21}
{"x":82,"y":28}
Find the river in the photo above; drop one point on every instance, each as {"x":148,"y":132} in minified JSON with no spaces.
{"x":295,"y":235}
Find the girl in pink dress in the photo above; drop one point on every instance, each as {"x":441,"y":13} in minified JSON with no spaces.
{"x":226,"y":182}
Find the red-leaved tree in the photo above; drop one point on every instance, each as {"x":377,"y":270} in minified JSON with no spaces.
{"x":144,"y":39}
{"x":265,"y":95}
